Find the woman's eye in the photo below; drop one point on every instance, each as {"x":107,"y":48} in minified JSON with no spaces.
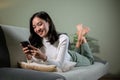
{"x":39,"y":24}
{"x":33,"y":27}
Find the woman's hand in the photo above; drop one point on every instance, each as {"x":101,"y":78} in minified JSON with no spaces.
{"x":27,"y":52}
{"x":37,"y":53}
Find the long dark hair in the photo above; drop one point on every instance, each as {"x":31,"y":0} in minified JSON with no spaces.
{"x":52,"y":34}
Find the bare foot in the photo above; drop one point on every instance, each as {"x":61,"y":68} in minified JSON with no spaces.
{"x":79,"y":27}
{"x":85,"y":31}
{"x":79,"y":31}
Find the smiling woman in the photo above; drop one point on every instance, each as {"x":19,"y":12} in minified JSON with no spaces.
{"x":51,"y":48}
{"x":89,"y":12}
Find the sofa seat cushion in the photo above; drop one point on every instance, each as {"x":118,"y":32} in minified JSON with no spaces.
{"x":25,"y":74}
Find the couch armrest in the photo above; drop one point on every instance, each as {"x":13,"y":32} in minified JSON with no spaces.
{"x":4,"y":53}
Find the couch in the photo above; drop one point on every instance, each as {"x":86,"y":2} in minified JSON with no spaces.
{"x":11,"y":54}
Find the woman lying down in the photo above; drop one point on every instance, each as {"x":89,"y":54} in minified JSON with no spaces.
{"x":48,"y":49}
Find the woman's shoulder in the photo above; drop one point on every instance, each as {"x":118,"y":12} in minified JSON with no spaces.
{"x":63,"y":37}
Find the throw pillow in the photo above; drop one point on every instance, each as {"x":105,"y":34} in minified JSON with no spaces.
{"x":38,"y":67}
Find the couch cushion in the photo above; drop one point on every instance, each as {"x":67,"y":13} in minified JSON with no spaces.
{"x":24,"y":74}
{"x":4,"y":54}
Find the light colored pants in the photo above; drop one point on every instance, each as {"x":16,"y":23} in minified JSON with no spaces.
{"x":82,"y":56}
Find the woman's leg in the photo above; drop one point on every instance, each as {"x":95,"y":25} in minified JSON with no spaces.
{"x":86,"y":51}
{"x":82,"y":54}
{"x":79,"y":59}
{"x":80,"y":33}
{"x":82,"y":46}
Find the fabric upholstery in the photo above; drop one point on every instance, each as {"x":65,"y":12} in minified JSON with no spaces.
{"x":25,"y":74}
{"x":14,"y":35}
{"x":4,"y":54}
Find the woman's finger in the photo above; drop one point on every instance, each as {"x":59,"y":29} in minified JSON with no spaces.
{"x":25,"y":48}
{"x":32,"y":47}
{"x":33,"y":52}
{"x":27,"y":51}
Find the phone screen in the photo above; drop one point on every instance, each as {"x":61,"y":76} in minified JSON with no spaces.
{"x":25,"y":43}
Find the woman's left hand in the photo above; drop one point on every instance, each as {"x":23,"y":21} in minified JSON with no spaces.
{"x":36,"y":52}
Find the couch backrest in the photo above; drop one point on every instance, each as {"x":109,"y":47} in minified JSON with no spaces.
{"x":4,"y":53}
{"x":14,"y":35}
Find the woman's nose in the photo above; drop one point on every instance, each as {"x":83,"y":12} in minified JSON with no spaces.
{"x":37,"y":29}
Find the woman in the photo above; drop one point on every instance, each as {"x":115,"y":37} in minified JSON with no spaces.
{"x":50,"y":47}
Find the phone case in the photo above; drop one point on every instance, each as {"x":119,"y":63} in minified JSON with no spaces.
{"x":25,"y":43}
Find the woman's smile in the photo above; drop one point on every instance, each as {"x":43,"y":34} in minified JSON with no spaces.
{"x":41,"y":32}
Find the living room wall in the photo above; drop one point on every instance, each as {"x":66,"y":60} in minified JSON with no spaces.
{"x":101,"y":16}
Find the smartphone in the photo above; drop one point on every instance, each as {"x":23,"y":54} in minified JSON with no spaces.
{"x":25,"y":43}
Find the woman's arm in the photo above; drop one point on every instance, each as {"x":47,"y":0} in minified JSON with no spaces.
{"x":62,"y":51}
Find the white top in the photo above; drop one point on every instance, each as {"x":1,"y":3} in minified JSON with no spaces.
{"x":57,"y":54}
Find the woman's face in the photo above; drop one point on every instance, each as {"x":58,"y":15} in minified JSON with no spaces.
{"x":40,"y":26}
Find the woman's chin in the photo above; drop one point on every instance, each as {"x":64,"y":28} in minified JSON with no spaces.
{"x":42,"y":35}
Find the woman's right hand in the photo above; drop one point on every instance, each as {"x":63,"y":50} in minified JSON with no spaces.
{"x":27,"y":52}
